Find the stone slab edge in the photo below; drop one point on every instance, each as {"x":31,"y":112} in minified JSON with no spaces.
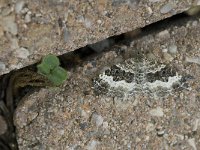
{"x":30,"y":30}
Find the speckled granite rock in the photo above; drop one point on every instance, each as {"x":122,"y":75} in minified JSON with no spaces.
{"x":32,"y":29}
{"x":75,"y":116}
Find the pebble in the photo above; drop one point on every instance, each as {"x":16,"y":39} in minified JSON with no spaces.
{"x":84,"y":114}
{"x":22,"y":120}
{"x":3,"y":125}
{"x":149,"y":10}
{"x":24,"y":10}
{"x":196,"y":123}
{"x":193,"y":10}
{"x":83,"y":125}
{"x":22,"y":53}
{"x":2,"y":66}
{"x":166,"y":8}
{"x":150,"y":127}
{"x":192,"y":143}
{"x":27,"y":18}
{"x":167,"y":57}
{"x":163,"y":35}
{"x":92,"y":145}
{"x":194,"y":23}
{"x":105,"y":125}
{"x":88,"y":23}
{"x":14,"y":43}
{"x":153,"y":1}
{"x":172,"y":49}
{"x":2,"y":3}
{"x":99,"y":21}
{"x":180,"y":136}
{"x":164,"y":50}
{"x":198,"y":2}
{"x":16,"y":66}
{"x":18,"y":6}
{"x":193,"y":60}
{"x":160,"y":133}
{"x":66,"y":34}
{"x":157,"y":112}
{"x":6,"y":11}
{"x":9,"y":25}
{"x":97,"y":119}
{"x":61,"y":132}
{"x":1,"y":31}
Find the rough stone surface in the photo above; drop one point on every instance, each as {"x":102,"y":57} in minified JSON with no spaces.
{"x":61,"y":26}
{"x":82,"y":114}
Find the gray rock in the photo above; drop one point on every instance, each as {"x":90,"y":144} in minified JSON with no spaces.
{"x":193,"y":60}
{"x":97,"y":119}
{"x":6,"y":11}
{"x":28,"y":17}
{"x":150,"y":127}
{"x":2,"y":66}
{"x":195,"y":23}
{"x":166,"y":8}
{"x":196,"y":123}
{"x":22,"y":53}
{"x":158,"y":112}
{"x":192,"y":143}
{"x":194,"y":10}
{"x":105,"y":125}
{"x":66,"y":34}
{"x":198,"y":2}
{"x":1,"y":31}
{"x":18,"y":6}
{"x":163,"y":35}
{"x":92,"y":145}
{"x":160,"y":133}
{"x":14,"y":43}
{"x":172,"y":49}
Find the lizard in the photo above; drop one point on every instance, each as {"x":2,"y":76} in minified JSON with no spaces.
{"x":8,"y":102}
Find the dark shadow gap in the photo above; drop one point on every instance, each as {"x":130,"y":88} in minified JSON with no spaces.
{"x":72,"y":59}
